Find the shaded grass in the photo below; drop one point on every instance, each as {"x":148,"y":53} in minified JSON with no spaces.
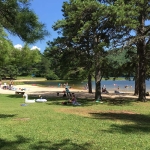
{"x":91,"y":126}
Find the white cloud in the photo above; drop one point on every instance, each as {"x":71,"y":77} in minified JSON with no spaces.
{"x":18,"y":46}
{"x":35,"y":47}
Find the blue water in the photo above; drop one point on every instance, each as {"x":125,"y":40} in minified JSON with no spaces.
{"x":110,"y":85}
{"x":125,"y":85}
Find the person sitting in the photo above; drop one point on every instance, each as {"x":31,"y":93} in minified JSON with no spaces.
{"x":64,"y":95}
{"x":118,"y":92}
{"x":74,"y":100}
{"x":104,"y":90}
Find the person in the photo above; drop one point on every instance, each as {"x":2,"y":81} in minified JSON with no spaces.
{"x":64,"y":95}
{"x":58,"y":84}
{"x":67,"y":86}
{"x":74,"y":100}
{"x":86,"y":86}
{"x":64,"y":85}
{"x":10,"y":84}
{"x":5,"y":86}
{"x":68,"y":92}
{"x":104,"y":90}
{"x":118,"y":88}
{"x":0,"y":83}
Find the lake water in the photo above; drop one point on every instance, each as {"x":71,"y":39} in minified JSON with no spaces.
{"x":124,"y":85}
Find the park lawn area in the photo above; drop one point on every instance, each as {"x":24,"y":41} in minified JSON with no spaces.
{"x":91,"y":126}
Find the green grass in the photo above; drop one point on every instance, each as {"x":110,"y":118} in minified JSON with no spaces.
{"x":91,"y":126}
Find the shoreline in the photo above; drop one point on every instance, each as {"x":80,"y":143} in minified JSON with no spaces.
{"x":52,"y":92}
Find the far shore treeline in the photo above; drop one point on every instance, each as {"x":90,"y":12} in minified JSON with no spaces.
{"x":98,"y":39}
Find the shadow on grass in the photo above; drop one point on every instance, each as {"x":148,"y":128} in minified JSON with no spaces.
{"x":90,"y":102}
{"x":132,"y":122}
{"x":65,"y":144}
{"x":8,"y":145}
{"x":83,"y":102}
{"x":15,"y":96}
{"x":119,"y":101}
{"x":6,"y":115}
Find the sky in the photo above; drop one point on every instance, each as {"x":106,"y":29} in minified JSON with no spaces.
{"x":48,"y":12}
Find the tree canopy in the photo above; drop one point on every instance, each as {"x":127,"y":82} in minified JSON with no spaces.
{"x":17,"y":17}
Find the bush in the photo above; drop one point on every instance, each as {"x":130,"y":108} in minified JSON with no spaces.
{"x":51,"y":76}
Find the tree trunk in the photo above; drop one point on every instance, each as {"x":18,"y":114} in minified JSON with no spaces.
{"x":98,"y":84}
{"x":141,"y":55}
{"x":142,"y":70}
{"x":90,"y":83}
{"x":136,"y":87}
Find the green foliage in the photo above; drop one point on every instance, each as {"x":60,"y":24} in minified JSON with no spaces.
{"x":14,"y":62}
{"x":51,"y":76}
{"x":19,"y":19}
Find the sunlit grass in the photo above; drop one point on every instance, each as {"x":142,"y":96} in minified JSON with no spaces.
{"x":91,"y":126}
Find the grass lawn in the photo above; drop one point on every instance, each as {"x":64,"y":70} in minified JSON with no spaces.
{"x":91,"y":126}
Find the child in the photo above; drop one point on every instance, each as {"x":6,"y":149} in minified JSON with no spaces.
{"x":68,"y":92}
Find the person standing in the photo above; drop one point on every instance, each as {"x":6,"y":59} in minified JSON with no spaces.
{"x":68,"y":92}
{"x":10,"y":82}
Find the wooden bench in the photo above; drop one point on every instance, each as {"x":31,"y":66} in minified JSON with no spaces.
{"x":19,"y":92}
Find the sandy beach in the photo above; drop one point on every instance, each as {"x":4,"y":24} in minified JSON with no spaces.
{"x":49,"y":91}
{"x":52,"y":92}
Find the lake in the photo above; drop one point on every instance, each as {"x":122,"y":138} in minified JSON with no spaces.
{"x":124,"y":85}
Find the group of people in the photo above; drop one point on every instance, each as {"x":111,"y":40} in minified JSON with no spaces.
{"x":104,"y":90}
{"x":72,"y":97}
{"x":65,"y":85}
{"x":6,"y":86}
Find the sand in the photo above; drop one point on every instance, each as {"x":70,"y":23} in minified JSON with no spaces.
{"x":52,"y":92}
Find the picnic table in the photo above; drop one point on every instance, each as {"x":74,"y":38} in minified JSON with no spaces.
{"x":19,"y":92}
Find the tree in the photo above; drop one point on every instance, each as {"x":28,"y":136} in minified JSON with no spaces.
{"x":88,"y":29}
{"x":6,"y":48}
{"x":134,"y":15}
{"x":20,"y":20}
{"x":28,"y":58}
